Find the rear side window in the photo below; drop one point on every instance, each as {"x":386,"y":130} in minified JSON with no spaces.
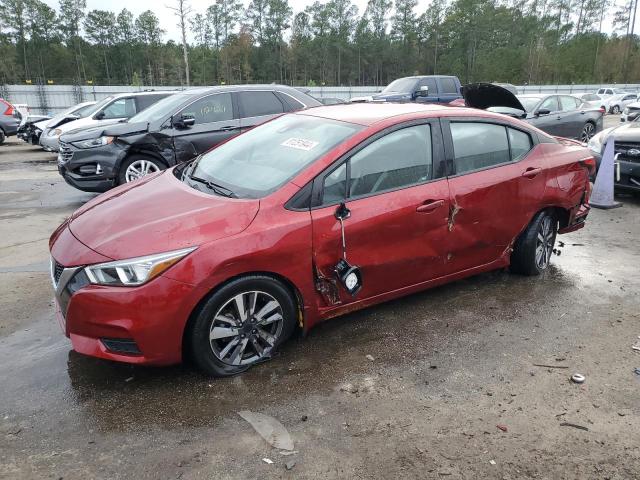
{"x":121,"y":108}
{"x":145,"y":101}
{"x":449,"y":85}
{"x":479,"y":145}
{"x":255,"y":104}
{"x":520,"y":144}
{"x":568,"y":103}
{"x":210,"y":109}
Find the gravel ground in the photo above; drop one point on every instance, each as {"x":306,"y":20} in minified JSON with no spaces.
{"x":449,"y":366}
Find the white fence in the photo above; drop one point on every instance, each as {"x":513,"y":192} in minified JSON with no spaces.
{"x":51,"y":99}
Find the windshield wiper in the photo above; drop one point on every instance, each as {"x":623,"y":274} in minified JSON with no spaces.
{"x":219,"y":189}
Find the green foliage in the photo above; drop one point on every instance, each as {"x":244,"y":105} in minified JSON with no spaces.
{"x":329,"y":43}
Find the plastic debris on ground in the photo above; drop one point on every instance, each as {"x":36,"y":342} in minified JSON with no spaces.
{"x":270,"y":429}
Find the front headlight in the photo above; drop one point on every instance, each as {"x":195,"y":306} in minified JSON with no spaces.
{"x":94,"y":142}
{"x":595,"y":144}
{"x":55,"y":133}
{"x":134,"y":271}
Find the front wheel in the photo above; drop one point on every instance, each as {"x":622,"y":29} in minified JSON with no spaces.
{"x":615,"y":110}
{"x":588,"y":131}
{"x":532,"y":251}
{"x":136,"y":167}
{"x":241,"y":324}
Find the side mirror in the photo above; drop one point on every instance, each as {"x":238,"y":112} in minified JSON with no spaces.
{"x":99,"y":116}
{"x":423,"y":91}
{"x":184,"y":121}
{"x":542,"y":111}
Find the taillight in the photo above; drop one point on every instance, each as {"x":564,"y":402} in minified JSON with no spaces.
{"x":602,"y":110}
{"x":9,"y":110}
{"x":590,"y":163}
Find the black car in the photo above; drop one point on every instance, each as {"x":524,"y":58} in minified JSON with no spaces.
{"x":557,"y":114}
{"x":172,"y":131}
{"x":627,"y":151}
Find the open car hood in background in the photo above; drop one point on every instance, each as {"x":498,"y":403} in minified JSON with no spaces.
{"x":486,"y":95}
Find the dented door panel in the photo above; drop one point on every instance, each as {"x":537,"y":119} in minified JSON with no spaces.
{"x":394,"y":244}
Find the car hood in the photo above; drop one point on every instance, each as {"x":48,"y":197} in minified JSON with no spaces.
{"x":113,"y":129}
{"x":486,"y":95}
{"x":627,"y":132}
{"x":158,"y":214}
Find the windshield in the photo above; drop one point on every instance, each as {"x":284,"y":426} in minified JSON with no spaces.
{"x":529,"y":102}
{"x":256,"y":163}
{"x":402,"y":85}
{"x":162,"y":108}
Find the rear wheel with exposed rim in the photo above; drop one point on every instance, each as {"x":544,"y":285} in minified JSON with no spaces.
{"x":241,"y":324}
{"x":533,"y":249}
{"x":137,"y":167}
{"x":615,"y":110}
{"x":588,"y":131}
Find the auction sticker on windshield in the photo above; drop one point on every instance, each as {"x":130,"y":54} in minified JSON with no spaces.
{"x":300,"y":144}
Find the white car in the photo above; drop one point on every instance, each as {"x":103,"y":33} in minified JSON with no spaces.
{"x":617,"y":103}
{"x":607,"y":92}
{"x":112,"y":109}
{"x":630,"y":112}
{"x":594,"y":100}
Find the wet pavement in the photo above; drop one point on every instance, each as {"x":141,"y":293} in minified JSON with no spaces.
{"x":448,"y":365}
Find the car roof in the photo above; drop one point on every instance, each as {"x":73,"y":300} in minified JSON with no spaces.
{"x":370,"y":113}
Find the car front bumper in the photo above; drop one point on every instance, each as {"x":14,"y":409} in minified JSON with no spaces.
{"x":626,"y":174}
{"x":141,"y":325}
{"x":49,"y":143}
{"x":92,"y":169}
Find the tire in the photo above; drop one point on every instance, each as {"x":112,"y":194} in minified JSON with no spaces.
{"x":533,"y":249}
{"x":3,"y":137}
{"x":615,"y":110}
{"x":138,"y":163}
{"x":588,"y":131}
{"x":223,"y":342}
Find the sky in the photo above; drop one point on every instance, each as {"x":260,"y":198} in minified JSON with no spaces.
{"x":168,"y":19}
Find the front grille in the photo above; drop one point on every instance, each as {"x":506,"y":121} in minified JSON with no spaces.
{"x":66,"y":153}
{"x":56,"y":272}
{"x":628,"y":151}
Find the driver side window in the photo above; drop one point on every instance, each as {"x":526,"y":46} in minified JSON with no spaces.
{"x":399,"y":159}
{"x":210,"y":109}
{"x":550,"y":104}
{"x":121,"y":108}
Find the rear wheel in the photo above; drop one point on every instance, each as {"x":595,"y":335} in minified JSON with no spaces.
{"x":138,"y":166}
{"x":533,"y":249}
{"x":242,"y":324}
{"x":2,"y":136}
{"x":588,"y":131}
{"x":615,"y":110}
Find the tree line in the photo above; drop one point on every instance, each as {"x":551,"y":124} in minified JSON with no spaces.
{"x":328,"y":43}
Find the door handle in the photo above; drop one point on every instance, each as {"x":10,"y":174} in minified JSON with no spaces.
{"x":228,"y":127}
{"x":559,"y":117}
{"x":429,"y":206}
{"x":531,"y":172}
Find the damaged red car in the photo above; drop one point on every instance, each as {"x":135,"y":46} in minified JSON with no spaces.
{"x":306,"y":217}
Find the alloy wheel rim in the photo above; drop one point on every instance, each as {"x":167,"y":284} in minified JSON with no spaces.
{"x":246,"y":328}
{"x":139,"y":169}
{"x":587,"y":132}
{"x":544,"y":243}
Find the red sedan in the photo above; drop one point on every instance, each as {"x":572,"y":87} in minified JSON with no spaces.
{"x":307,"y":217}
